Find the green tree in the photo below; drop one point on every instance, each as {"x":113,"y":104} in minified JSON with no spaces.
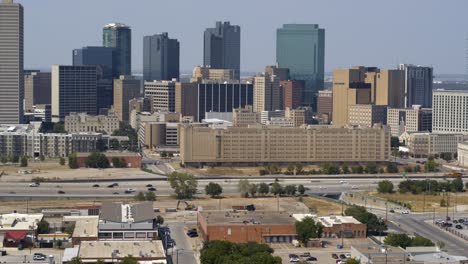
{"x":62,"y":161}
{"x":114,"y":144}
{"x":163,"y":154}
{"x":263,"y":188}
{"x":129,"y":260}
{"x":374,"y":224}
{"x":140,"y":196}
{"x":75,"y":260}
{"x":73,"y":161}
{"x":97,"y":160}
{"x":43,"y":227}
{"x":184,"y":185}
{"x":457,"y":185}
{"x":253,"y":189}
{"x":357,"y":169}
{"x":392,"y":168}
{"x":431,"y":165}
{"x":213,"y":189}
{"x":69,"y":229}
{"x":443,"y":203}
{"x":118,"y":163}
{"x":276,"y":188}
{"x":290,"y":169}
{"x":301,"y":189}
{"x":15,"y":159}
{"x":371,"y":168}
{"x":24,"y":161}
{"x":290,"y":189}
{"x":127,"y":131}
{"x":59,"y":128}
{"x":42,"y":157}
{"x":385,"y":186}
{"x":224,"y":252}
{"x":243,"y":187}
{"x":307,"y":228}
{"x":328,"y":168}
{"x":419,"y":241}
{"x":352,"y":261}
{"x":150,"y":196}
{"x":159,"y":220}
{"x":299,"y":168}
{"x":395,"y":142}
{"x":4,"y":159}
{"x":100,"y":261}
{"x":398,"y":240}
{"x":417,"y":168}
{"x":345,"y":168}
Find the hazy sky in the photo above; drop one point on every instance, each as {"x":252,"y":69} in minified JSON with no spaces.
{"x":358,"y":32}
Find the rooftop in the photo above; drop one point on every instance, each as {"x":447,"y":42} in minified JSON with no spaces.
{"x":127,"y":213}
{"x":17,"y":221}
{"x":85,"y":226}
{"x":149,"y":250}
{"x":329,"y":221}
{"x":378,"y":250}
{"x":247,"y":217}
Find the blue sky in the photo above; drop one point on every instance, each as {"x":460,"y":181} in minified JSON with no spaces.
{"x":358,"y":32}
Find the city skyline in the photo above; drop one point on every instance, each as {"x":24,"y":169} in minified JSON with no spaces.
{"x":428,"y":40}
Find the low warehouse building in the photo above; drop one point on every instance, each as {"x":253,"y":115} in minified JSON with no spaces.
{"x":334,"y":226}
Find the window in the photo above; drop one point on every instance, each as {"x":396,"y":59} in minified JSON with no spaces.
{"x":229,"y":231}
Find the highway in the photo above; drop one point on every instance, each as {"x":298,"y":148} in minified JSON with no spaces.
{"x":86,"y":189}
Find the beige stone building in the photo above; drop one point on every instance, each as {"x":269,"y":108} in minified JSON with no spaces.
{"x":367,"y":114}
{"x":463,"y":154}
{"x":430,"y":144}
{"x":263,"y":144}
{"x":267,"y":93}
{"x":281,"y":73}
{"x":81,"y":122}
{"x":243,"y":117}
{"x":161,"y":94}
{"x":297,"y":116}
{"x":450,"y":111}
{"x":390,"y":88}
{"x":414,"y":119}
{"x":125,"y":89}
{"x":202,"y":73}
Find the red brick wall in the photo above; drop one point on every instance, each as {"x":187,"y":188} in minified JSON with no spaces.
{"x":247,"y":232}
{"x":134,"y":160}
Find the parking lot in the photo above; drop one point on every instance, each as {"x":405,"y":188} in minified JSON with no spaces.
{"x":26,"y":256}
{"x":458,"y":227}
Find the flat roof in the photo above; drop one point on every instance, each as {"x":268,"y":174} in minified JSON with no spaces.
{"x":329,"y":221}
{"x":139,"y":249}
{"x":17,"y":221}
{"x":378,"y":250}
{"x":127,"y":213}
{"x":85,"y":226}
{"x":247,"y":217}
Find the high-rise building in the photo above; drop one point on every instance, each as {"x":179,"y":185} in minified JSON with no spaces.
{"x":389,"y":90}
{"x":74,"y":89}
{"x":119,"y":37}
{"x":414,"y":119}
{"x":36,"y":89}
{"x":11,"y":62}
{"x":418,"y":85}
{"x":281,"y":73}
{"x":450,"y":112}
{"x":325,"y":102}
{"x":102,"y":57}
{"x":203,"y":74}
{"x":301,"y":49}
{"x":291,"y":93}
{"x":125,"y":88}
{"x":222,"y":47}
{"x":367,"y":115}
{"x":161,"y":94}
{"x":160,"y":57}
{"x":349,"y":88}
{"x":195,"y":99}
{"x":267,"y":93}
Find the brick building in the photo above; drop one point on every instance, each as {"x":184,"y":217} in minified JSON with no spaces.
{"x":291,"y":93}
{"x":241,"y":227}
{"x":334,"y":226}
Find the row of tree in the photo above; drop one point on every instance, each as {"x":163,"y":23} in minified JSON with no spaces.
{"x":375,"y":224}
{"x":404,"y":241}
{"x":420,"y":186}
{"x":96,"y":160}
{"x":225,"y":252}
{"x":246,"y":188}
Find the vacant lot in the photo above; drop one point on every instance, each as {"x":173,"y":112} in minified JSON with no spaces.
{"x":431,"y":202}
{"x":322,"y":206}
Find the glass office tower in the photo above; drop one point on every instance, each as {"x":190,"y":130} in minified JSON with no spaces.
{"x":119,"y":36}
{"x":301,"y":49}
{"x":160,"y":57}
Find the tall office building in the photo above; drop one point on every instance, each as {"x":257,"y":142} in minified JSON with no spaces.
{"x":11,"y":62}
{"x":74,"y":89}
{"x":161,"y":94}
{"x":281,"y":73}
{"x":301,"y":49}
{"x":222,"y":47}
{"x":291,"y":93}
{"x":126,"y":88}
{"x":119,"y":36}
{"x":325,"y":103}
{"x":100,"y":56}
{"x":414,"y":119}
{"x":450,"y":111}
{"x":160,"y":57}
{"x":36,"y":89}
{"x":267,"y":93}
{"x":196,"y":99}
{"x":418,"y":85}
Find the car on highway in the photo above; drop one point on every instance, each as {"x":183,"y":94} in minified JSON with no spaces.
{"x":149,"y":185}
{"x":34,"y":184}
{"x":322,"y":188}
{"x":391,"y":211}
{"x":405,"y":212}
{"x":96,"y":185}
{"x":130,"y":190}
{"x":354,"y":187}
{"x":12,"y":192}
{"x":39,"y":256}
{"x":115,"y":193}
{"x":294,"y":258}
{"x":61,"y":192}
{"x":151,"y":189}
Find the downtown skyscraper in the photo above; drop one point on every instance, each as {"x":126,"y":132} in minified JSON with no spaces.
{"x":160,"y":57}
{"x":301,"y":49}
{"x":418,"y":85}
{"x":222,"y":47}
{"x":11,"y":62}
{"x":119,"y":36}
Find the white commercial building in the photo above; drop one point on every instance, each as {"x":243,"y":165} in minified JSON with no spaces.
{"x":463,"y":154}
{"x":450,"y":111}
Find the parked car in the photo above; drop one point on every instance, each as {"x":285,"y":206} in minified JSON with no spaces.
{"x":334,"y":255}
{"x":455,"y":221}
{"x":348,"y":255}
{"x":391,"y":211}
{"x":192,"y":233}
{"x":39,"y":256}
{"x":305,"y":255}
{"x":459,"y":227}
{"x":294,"y":258}
{"x":311,"y":258}
{"x":342,"y":256}
{"x":151,"y":189}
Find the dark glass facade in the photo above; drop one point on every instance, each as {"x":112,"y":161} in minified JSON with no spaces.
{"x":119,"y":36}
{"x":222,"y":47}
{"x":222,"y":97}
{"x":102,"y":57}
{"x":160,"y":58}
